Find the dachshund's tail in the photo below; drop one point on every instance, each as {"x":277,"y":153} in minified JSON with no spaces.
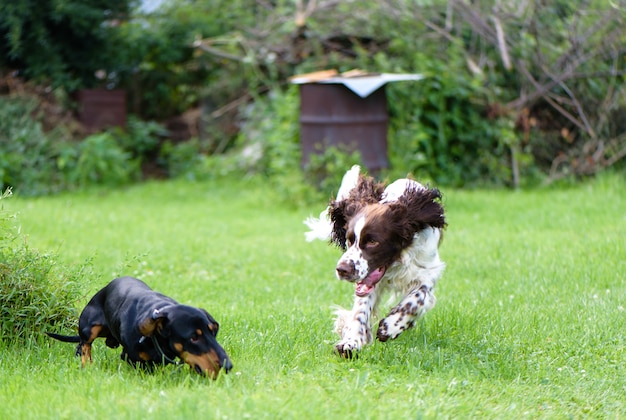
{"x":65,"y":338}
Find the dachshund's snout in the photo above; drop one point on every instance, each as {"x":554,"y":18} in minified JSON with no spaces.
{"x":226,"y":365}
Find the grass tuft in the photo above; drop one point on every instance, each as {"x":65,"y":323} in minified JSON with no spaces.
{"x":37,"y":295}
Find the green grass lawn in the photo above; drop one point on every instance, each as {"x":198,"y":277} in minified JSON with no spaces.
{"x":529,"y":323}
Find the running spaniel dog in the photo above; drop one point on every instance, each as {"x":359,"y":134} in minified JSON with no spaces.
{"x":390,"y":238}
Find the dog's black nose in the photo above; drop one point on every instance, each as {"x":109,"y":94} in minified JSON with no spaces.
{"x":227,"y":365}
{"x":345,"y":270}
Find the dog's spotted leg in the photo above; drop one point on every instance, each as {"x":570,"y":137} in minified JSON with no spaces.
{"x":406,"y":313}
{"x":354,"y":326}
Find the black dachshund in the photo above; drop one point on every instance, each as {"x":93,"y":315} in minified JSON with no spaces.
{"x":152,"y":328}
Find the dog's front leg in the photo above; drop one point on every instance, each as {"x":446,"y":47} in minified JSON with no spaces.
{"x":404,"y":315}
{"x":354,"y":326}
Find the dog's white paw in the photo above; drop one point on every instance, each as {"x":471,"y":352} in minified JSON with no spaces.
{"x":348,"y":348}
{"x":391,"y":327}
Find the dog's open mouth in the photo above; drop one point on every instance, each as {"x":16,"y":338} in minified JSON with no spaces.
{"x":368,"y":284}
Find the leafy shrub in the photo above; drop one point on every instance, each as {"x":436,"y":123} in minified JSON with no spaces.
{"x":140,"y":138}
{"x":439,"y":128}
{"x":35,"y":163}
{"x":98,"y":160}
{"x":26,"y":152}
{"x":271,"y":125}
{"x":325,"y":169}
{"x":36,"y":294}
{"x":185,"y":159}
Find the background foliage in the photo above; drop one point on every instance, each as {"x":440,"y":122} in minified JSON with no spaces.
{"x":26,"y":152}
{"x":63,"y":42}
{"x":515,"y":93}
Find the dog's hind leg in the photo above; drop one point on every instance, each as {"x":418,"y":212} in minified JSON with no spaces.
{"x":89,"y":334}
{"x":404,"y":315}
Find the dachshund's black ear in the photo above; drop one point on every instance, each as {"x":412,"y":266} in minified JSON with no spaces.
{"x":213,"y":325}
{"x":155,"y":322}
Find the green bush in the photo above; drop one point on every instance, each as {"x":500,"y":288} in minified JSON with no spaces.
{"x":271,"y":128}
{"x":439,"y":128}
{"x":326,"y":168}
{"x":99,"y":160}
{"x":33,"y":162}
{"x":140,"y":138}
{"x":26,"y":152}
{"x":37,"y":295}
{"x":186,"y":159}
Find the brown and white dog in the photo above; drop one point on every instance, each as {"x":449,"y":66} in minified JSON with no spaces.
{"x":390,"y":237}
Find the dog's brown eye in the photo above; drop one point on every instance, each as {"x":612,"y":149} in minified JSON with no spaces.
{"x":195,"y":338}
{"x":350,"y":238}
{"x":371,"y":243}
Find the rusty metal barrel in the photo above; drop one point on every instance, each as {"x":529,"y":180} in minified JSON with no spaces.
{"x":100,"y":109}
{"x":333,"y":115}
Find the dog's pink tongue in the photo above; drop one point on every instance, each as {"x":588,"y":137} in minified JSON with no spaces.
{"x":365,"y":286}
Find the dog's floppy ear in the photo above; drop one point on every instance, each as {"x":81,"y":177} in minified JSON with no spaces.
{"x":339,"y":221}
{"x":419,"y":208}
{"x":154,"y":322}
{"x":214,"y":327}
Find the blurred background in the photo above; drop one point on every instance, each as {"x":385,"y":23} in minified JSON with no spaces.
{"x":109,"y":92}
